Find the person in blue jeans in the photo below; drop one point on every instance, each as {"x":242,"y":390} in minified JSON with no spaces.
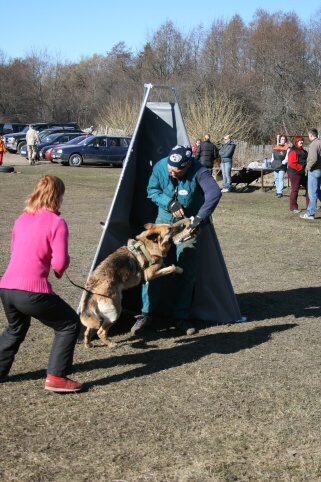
{"x":279,"y":163}
{"x":226,"y":152}
{"x":180,"y":186}
{"x":314,"y":174}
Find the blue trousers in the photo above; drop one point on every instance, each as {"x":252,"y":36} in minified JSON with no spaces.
{"x":226,"y":167}
{"x":51,"y":310}
{"x":314,"y":182}
{"x":279,"y":181}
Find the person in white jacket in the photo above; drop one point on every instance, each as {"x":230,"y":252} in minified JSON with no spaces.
{"x":32,"y":139}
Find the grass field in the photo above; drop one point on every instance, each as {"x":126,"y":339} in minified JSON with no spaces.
{"x":232,"y":403}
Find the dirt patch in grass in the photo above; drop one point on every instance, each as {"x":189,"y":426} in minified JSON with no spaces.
{"x":231,"y":403}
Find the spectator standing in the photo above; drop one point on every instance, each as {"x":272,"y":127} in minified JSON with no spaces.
{"x":314,"y":174}
{"x":3,"y":150}
{"x":226,"y":152}
{"x":32,"y":139}
{"x":297,"y":161}
{"x":39,"y":241}
{"x":206,"y":152}
{"x":197,"y":143}
{"x":180,"y":186}
{"x":279,"y":163}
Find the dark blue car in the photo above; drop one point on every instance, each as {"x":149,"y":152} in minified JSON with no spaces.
{"x":106,"y":150}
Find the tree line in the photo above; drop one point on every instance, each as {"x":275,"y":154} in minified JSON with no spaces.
{"x":249,"y":80}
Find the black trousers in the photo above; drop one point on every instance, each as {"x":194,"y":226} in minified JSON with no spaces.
{"x":52,"y":311}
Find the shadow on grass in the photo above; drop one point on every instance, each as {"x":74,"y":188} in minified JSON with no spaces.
{"x":155,"y":359}
{"x":256,"y":306}
{"x":301,"y":303}
{"x":187,"y":350}
{"x":251,"y":188}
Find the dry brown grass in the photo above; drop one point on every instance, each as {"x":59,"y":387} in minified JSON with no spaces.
{"x":232,"y":403}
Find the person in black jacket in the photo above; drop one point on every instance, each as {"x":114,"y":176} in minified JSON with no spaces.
{"x":279,"y":164}
{"x":297,"y":161}
{"x":206,"y":152}
{"x":226,"y":152}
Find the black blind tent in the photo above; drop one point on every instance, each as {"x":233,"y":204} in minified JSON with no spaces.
{"x":160,"y":126}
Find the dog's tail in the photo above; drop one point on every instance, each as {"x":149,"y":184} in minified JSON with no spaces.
{"x":83,"y":303}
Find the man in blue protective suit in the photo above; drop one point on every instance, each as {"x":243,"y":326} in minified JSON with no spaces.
{"x":181,"y":187}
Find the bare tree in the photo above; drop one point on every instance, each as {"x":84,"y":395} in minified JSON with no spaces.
{"x":224,"y":59}
{"x":217,"y":114}
{"x":14,"y":99}
{"x":39,"y":63}
{"x":267,"y":72}
{"x":119,"y":117}
{"x":277,"y":53}
{"x":167,"y":55}
{"x":311,"y":117}
{"x":210,"y":62}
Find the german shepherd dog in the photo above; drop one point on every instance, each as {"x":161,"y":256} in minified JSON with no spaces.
{"x":125,"y":268}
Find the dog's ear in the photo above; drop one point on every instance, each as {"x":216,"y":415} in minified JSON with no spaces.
{"x":142,"y":235}
{"x":145,"y":235}
{"x":148,"y":225}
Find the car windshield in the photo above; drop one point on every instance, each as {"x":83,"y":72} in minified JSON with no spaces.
{"x":25,"y":129}
{"x":51,"y":137}
{"x":76,"y":140}
{"x":42,"y":135}
{"x":86,"y":141}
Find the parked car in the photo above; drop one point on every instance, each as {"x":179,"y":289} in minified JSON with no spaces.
{"x":46,"y":152}
{"x":15,"y":141}
{"x":108,"y":150}
{"x":9,"y":127}
{"x":58,"y":130}
{"x":49,"y":141}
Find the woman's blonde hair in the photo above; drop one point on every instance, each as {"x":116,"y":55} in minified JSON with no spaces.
{"x":47,"y":194}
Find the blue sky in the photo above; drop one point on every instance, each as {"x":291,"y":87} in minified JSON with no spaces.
{"x":72,"y":30}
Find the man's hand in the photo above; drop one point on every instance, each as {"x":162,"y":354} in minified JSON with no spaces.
{"x":176,"y":208}
{"x":195,"y":224}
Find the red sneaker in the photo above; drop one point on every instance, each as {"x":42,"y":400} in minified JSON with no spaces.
{"x":62,"y":384}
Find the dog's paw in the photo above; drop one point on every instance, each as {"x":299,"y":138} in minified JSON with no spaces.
{"x":112,"y":344}
{"x":88,"y":345}
{"x":178,"y":270}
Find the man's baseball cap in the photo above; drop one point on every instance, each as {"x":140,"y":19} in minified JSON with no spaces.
{"x":179,"y":156}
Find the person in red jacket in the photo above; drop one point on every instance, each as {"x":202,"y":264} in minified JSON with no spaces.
{"x":197,"y":143}
{"x":3,"y":150}
{"x":297,"y":161}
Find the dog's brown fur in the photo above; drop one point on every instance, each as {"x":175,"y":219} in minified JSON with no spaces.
{"x":101,"y":303}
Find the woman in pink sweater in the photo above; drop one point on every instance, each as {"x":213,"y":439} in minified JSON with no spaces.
{"x":39,"y":241}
